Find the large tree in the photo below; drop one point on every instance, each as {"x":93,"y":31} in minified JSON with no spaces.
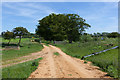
{"x":8,"y":36}
{"x":20,"y":31}
{"x":51,"y":27}
{"x":61,"y":26}
{"x":75,"y":25}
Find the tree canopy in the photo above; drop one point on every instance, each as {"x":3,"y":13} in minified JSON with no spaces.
{"x":51,"y":27}
{"x":75,"y":25}
{"x":8,"y":35}
{"x":113,"y":35}
{"x":20,"y":31}
{"x":61,"y":26}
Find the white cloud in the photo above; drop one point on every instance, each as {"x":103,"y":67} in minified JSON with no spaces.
{"x":103,"y":12}
{"x":27,"y":9}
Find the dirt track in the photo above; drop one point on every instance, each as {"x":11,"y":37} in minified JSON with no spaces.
{"x":64,"y":66}
{"x":26,"y":58}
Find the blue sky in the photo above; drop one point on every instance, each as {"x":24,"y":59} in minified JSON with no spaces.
{"x":102,"y":16}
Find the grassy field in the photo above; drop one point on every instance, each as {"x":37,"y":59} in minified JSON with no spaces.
{"x":79,"y":49}
{"x":26,"y":48}
{"x":107,"y":61}
{"x":22,"y":70}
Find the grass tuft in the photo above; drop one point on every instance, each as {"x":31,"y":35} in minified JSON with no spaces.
{"x":56,"y":53}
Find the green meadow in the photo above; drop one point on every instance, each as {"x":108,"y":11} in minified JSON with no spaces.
{"x":26,"y":48}
{"x":20,"y":71}
{"x":107,"y":61}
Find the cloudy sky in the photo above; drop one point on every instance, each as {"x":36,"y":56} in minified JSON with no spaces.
{"x":102,"y":16}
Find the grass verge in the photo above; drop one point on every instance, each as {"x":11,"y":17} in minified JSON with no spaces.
{"x":22,"y":70}
{"x":26,"y":48}
{"x":107,"y":61}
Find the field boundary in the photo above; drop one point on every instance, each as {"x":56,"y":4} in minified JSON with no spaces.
{"x":98,"y":52}
{"x":30,"y":57}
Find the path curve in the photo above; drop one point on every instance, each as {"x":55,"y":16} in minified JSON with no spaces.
{"x":23,"y":59}
{"x":64,"y":66}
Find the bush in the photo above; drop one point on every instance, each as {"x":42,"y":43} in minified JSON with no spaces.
{"x":37,"y":40}
{"x":112,"y":71}
{"x":56,"y":53}
{"x":86,"y":38}
{"x":34,"y":63}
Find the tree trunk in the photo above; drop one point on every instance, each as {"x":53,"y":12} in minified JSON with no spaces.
{"x":53,"y":42}
{"x":19,"y":41}
{"x":70,"y":41}
{"x":9,"y":42}
{"x":40,"y":39}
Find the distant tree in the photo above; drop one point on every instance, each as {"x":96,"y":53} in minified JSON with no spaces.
{"x":113,"y":35}
{"x":105,"y":34}
{"x":95,"y":36}
{"x":8,"y":36}
{"x":20,"y":31}
{"x":85,"y":34}
{"x":98,"y":34}
{"x":28,"y":35}
{"x":86,"y":37}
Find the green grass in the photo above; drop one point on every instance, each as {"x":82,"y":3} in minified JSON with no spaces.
{"x":106,"y":61}
{"x":22,"y":70}
{"x":46,"y":42}
{"x":79,"y":49}
{"x":26,"y":48}
{"x":16,"y":40}
{"x":85,"y":62}
{"x":56,"y":53}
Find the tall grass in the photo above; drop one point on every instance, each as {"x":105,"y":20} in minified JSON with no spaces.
{"x":79,"y":49}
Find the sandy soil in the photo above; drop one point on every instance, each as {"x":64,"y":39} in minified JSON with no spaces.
{"x":64,"y":66}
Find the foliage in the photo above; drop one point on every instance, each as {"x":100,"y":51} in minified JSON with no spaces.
{"x":30,"y":35}
{"x":85,"y":62}
{"x":20,"y":31}
{"x":51,"y":27}
{"x":75,"y":26}
{"x":56,"y":53}
{"x":22,"y":70}
{"x":113,"y":35}
{"x":61,"y":26}
{"x":8,"y":35}
{"x":85,"y":38}
{"x":106,"y":34}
